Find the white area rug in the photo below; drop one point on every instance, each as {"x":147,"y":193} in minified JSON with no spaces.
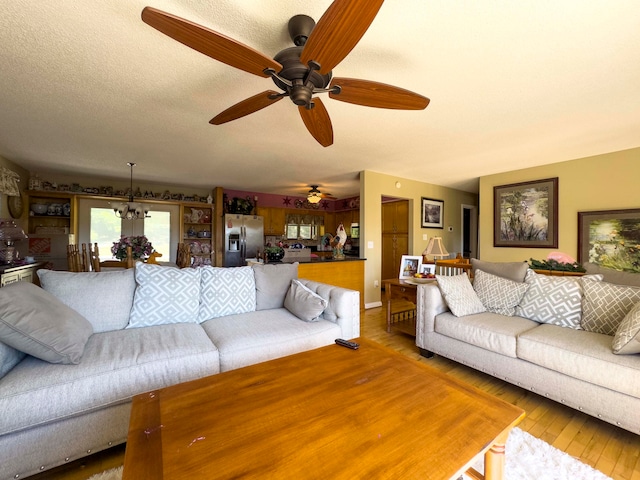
{"x":528,"y":458}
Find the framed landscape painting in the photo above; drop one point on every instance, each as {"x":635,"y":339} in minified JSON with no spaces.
{"x":610,"y":239}
{"x":526,"y":214}
{"x":432,"y":213}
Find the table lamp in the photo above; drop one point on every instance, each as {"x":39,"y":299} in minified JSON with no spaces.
{"x":435,"y":248}
{"x":9,"y":234}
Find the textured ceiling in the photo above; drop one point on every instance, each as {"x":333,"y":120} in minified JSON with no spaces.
{"x":87,"y":86}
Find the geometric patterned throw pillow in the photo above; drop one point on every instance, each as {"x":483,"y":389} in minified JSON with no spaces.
{"x":498,"y":294}
{"x":459,"y":295}
{"x":551,"y":299}
{"x":165,"y":295}
{"x":605,"y":305}
{"x":627,"y":339}
{"x":226,"y":291}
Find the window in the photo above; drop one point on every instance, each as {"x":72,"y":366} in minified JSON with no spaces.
{"x":304,"y":227}
{"x":98,"y":224}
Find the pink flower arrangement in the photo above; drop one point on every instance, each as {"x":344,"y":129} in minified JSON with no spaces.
{"x":140,"y":247}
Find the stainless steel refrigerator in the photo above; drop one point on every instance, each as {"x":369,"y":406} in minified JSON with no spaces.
{"x":243,"y":237}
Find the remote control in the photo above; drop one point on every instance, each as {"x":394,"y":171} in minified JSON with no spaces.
{"x":348,"y":344}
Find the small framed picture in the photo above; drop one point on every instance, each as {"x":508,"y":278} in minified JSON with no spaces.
{"x":409,"y":266}
{"x":426,"y":268}
{"x":432,"y":213}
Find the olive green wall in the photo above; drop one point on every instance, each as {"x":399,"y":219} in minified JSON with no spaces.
{"x":373,"y":186}
{"x":602,"y":182}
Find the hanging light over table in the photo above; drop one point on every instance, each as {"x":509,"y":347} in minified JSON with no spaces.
{"x":131,"y":210}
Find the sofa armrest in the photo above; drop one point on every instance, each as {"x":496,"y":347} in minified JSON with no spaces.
{"x":430,"y":303}
{"x":343,"y":306}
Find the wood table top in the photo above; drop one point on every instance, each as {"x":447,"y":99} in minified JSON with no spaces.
{"x":329,"y":413}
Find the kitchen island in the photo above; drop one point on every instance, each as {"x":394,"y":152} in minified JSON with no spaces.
{"x":346,"y":273}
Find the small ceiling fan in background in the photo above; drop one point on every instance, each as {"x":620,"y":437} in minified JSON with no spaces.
{"x":314,"y":195}
{"x":301,"y":71}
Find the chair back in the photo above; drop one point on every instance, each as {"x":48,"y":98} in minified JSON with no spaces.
{"x":456,"y":266}
{"x":183,"y":258}
{"x":126,"y":263}
{"x":83,"y":258}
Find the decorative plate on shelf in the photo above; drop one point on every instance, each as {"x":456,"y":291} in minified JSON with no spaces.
{"x":15,"y":205}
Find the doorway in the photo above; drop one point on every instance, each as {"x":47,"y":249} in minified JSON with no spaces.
{"x":469,"y":239}
{"x":395,"y":235}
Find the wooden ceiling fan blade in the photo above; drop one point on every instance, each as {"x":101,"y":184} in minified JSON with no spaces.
{"x":246,"y":107}
{"x":375,"y":94}
{"x":210,"y":43}
{"x":318,"y":122}
{"x":338,"y":31}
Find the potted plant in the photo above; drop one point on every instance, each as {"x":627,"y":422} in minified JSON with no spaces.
{"x":274,"y":254}
{"x":140,"y":247}
{"x":554,"y":267}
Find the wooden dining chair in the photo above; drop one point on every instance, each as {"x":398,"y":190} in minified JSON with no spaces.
{"x":126,"y":263}
{"x":455,"y":266}
{"x":83,"y":258}
{"x":183,"y":257}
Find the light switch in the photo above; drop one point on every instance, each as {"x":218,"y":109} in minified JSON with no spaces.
{"x":424,"y":236}
{"x":369,"y":244}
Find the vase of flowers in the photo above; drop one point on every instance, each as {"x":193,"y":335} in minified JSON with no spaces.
{"x":140,"y":247}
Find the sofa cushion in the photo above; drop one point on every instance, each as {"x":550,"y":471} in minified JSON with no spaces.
{"x":627,"y":337}
{"x":103,"y":298}
{"x":9,"y":358}
{"x":272,"y":283}
{"x":514,"y":271}
{"x":116,"y":366}
{"x":582,"y":355}
{"x":256,"y":337}
{"x":488,"y":330}
{"x":165,"y":295}
{"x":554,"y":300}
{"x":498,"y":294}
{"x":303,"y":303}
{"x":37,"y":323}
{"x":226,"y":291}
{"x":460,"y":296}
{"x":605,"y":305}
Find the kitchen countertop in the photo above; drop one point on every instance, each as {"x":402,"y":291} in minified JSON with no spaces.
{"x":326,"y":260}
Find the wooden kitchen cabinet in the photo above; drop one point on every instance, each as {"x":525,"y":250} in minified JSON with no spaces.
{"x":395,"y":236}
{"x":51,"y":212}
{"x":274,"y":220}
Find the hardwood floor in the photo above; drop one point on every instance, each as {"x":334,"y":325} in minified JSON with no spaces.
{"x":613,"y":451}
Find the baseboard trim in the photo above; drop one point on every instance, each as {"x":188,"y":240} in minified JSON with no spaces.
{"x":372,"y":305}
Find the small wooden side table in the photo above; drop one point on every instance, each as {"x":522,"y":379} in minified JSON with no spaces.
{"x":400,"y":297}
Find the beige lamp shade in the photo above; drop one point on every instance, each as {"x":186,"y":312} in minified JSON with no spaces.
{"x":435,"y":248}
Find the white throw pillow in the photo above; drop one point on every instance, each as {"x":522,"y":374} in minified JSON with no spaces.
{"x":627,"y":338}
{"x":498,"y":294}
{"x":459,"y":295}
{"x":165,"y":295}
{"x":226,"y":291}
{"x":272,"y":283}
{"x":553,"y":299}
{"x":303,"y":303}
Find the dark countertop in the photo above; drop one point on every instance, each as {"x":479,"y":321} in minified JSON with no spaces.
{"x":326,"y":260}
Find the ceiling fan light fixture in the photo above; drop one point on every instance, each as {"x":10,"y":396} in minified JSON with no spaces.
{"x":314,"y":197}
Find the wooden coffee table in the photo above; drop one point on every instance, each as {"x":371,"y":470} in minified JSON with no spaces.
{"x":330,"y":413}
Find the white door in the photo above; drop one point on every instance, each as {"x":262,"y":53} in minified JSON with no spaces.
{"x":97,"y":223}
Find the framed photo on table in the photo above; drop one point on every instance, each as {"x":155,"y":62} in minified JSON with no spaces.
{"x":426,"y":268}
{"x":526,"y":214}
{"x":610,"y":239}
{"x":409,"y":266}
{"x":432,"y":213}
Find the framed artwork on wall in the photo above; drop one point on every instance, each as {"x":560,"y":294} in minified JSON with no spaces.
{"x":432,"y":213}
{"x":610,"y":239}
{"x":526,"y":214}
{"x":409,"y":266}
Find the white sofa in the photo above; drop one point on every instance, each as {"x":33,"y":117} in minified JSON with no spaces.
{"x":559,"y":340}
{"x":104,"y":337}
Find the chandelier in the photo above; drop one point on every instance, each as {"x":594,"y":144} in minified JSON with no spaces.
{"x":131,"y":210}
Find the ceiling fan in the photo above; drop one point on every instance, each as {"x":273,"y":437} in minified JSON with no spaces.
{"x":301,"y":71}
{"x":314,"y":195}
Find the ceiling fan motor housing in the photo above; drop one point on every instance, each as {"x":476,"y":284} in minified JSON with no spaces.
{"x":295,"y":71}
